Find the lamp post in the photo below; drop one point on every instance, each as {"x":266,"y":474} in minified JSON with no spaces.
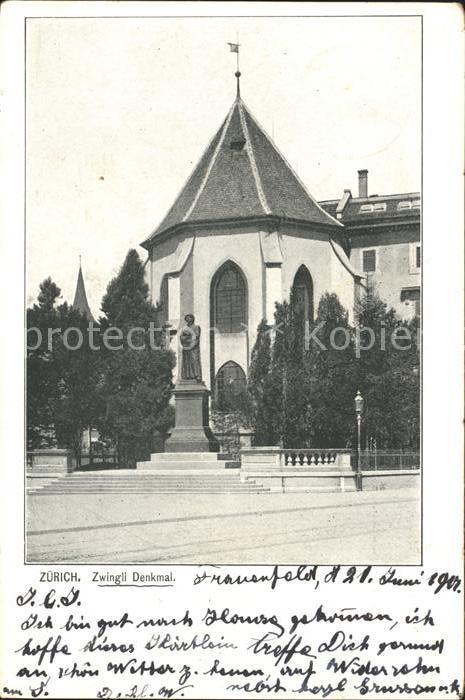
{"x":358,"y":412}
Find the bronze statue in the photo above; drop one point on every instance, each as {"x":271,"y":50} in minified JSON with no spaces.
{"x":190,"y":343}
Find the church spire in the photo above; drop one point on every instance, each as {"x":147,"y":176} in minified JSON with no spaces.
{"x":80,"y":302}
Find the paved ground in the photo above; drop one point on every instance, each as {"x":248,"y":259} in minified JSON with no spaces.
{"x":380,"y":527}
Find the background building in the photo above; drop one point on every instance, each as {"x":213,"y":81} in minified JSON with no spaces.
{"x":383,"y":242}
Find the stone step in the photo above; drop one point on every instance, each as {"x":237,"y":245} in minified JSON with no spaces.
{"x":173,"y":492}
{"x":155,"y":477}
{"x":168,"y":480}
{"x":141,"y":483}
{"x":154,"y":489}
{"x":151,"y":484}
{"x":128,"y":487}
{"x":166,"y":471}
{"x":187,"y":456}
{"x":147,"y":481}
{"x":217,"y":465}
{"x":158,"y":488}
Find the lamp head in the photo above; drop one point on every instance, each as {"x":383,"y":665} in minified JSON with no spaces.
{"x":358,"y":403}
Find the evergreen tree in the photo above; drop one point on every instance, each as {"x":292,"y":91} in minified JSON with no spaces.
{"x":62,"y":373}
{"x":304,"y":396}
{"x":77,"y":405}
{"x":258,"y":388}
{"x":297,"y":411}
{"x":126,"y":303}
{"x":274,"y":395}
{"x":387,"y":375}
{"x":136,"y":383}
{"x":279,"y":381}
{"x":330,"y":362}
{"x":41,"y":372}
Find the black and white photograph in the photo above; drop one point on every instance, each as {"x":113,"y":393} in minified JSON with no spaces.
{"x":231,"y":435}
{"x":223,"y":287}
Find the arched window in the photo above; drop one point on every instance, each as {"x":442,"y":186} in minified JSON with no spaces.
{"x":229,"y":300}
{"x":303,"y":290}
{"x":230,"y":386}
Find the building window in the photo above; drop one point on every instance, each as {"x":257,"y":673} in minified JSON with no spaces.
{"x":414,"y":258}
{"x":406,"y":204}
{"x":416,"y":204}
{"x":230,"y":386}
{"x":380,"y":206}
{"x":366,"y":208}
{"x":230,"y":300}
{"x":410,"y":296}
{"x":303,"y":291}
{"x":369,"y":260}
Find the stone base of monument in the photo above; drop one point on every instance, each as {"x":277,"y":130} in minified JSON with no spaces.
{"x":192,"y":431}
{"x":188,"y":462}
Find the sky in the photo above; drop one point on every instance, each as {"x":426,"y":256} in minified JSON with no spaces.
{"x":120,"y":110}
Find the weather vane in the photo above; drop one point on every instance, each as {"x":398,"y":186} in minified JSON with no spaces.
{"x":235,"y":49}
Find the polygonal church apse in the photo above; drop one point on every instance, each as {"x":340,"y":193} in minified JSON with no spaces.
{"x":241,"y":234}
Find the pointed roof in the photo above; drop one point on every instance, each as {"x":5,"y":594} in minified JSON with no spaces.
{"x":241,"y":174}
{"x":80,"y":302}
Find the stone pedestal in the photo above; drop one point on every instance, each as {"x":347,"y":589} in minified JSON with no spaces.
{"x":50,"y":461}
{"x":192,"y":430}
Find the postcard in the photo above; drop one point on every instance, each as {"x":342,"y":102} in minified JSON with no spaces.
{"x":232,"y":416}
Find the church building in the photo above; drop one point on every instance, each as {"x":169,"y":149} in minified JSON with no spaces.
{"x":241,"y":234}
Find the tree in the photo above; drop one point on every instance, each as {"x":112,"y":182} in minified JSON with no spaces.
{"x":303,"y":393}
{"x":77,"y":405}
{"x":291,"y":354}
{"x":136,"y":384}
{"x":387,"y":375}
{"x":258,"y":388}
{"x":278,"y":381}
{"x":332,"y":374}
{"x":41,"y":372}
{"x":61,"y":373}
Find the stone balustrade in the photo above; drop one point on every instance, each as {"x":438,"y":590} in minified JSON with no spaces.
{"x":278,"y":458}
{"x":284,"y":470}
{"x":327,"y":456}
